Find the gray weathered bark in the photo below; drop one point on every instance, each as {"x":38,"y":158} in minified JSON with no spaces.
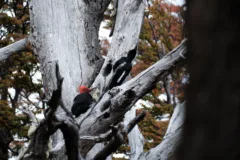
{"x":123,"y":97}
{"x":66,"y":33}
{"x":125,"y":37}
{"x":120,"y":99}
{"x":60,"y":28}
{"x":18,"y":46}
{"x":163,"y":151}
{"x":135,"y":137}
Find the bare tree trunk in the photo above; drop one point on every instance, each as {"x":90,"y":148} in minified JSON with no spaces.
{"x":67,"y":32}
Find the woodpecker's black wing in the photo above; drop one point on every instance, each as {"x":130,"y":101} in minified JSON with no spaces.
{"x":81,"y":104}
{"x":119,"y":62}
{"x":107,"y":70}
{"x":127,"y":69}
{"x":120,"y":74}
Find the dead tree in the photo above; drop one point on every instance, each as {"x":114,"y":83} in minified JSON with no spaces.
{"x":64,"y":36}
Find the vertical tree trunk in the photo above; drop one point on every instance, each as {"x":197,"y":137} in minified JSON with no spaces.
{"x":67,"y":32}
{"x":135,"y":137}
{"x":5,"y":139}
{"x":213,"y":109}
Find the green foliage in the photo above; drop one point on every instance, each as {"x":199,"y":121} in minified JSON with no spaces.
{"x":17,"y":124}
{"x":17,"y":72}
{"x":152,"y":130}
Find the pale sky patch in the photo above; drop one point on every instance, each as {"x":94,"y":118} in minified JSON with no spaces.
{"x":177,"y":2}
{"x":103,"y":32}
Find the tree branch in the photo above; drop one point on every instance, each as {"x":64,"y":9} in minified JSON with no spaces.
{"x":29,"y":114}
{"x":122,"y":98}
{"x":119,"y":138}
{"x":18,"y":46}
{"x":134,"y":122}
{"x":39,"y":145}
{"x":135,"y":137}
{"x":127,"y":28}
{"x":98,"y":139}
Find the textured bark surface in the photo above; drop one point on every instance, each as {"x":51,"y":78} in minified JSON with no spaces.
{"x":135,"y":137}
{"x":66,"y":33}
{"x":120,"y":99}
{"x":40,"y":144}
{"x":18,"y":46}
{"x":119,"y":137}
{"x":125,"y":36}
{"x":213,"y":108}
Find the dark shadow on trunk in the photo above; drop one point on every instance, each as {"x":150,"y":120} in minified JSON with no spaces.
{"x":5,"y":139}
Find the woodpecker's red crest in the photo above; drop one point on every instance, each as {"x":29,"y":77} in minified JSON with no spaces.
{"x":84,"y":89}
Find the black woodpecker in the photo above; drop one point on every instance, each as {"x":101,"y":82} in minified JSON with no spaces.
{"x":82,"y":101}
{"x":122,"y":68}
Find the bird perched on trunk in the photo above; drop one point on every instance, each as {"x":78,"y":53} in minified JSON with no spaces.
{"x":82,"y":101}
{"x":122,"y":68}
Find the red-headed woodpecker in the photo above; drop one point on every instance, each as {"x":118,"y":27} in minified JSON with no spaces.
{"x":82,"y":101}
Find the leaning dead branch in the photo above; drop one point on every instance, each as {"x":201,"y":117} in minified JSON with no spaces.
{"x":30,"y":114}
{"x":98,"y":139}
{"x":119,"y":137}
{"x":18,"y":46}
{"x":117,"y":101}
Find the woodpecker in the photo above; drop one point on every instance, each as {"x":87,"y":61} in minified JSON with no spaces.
{"x":122,"y":68}
{"x":82,"y":101}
